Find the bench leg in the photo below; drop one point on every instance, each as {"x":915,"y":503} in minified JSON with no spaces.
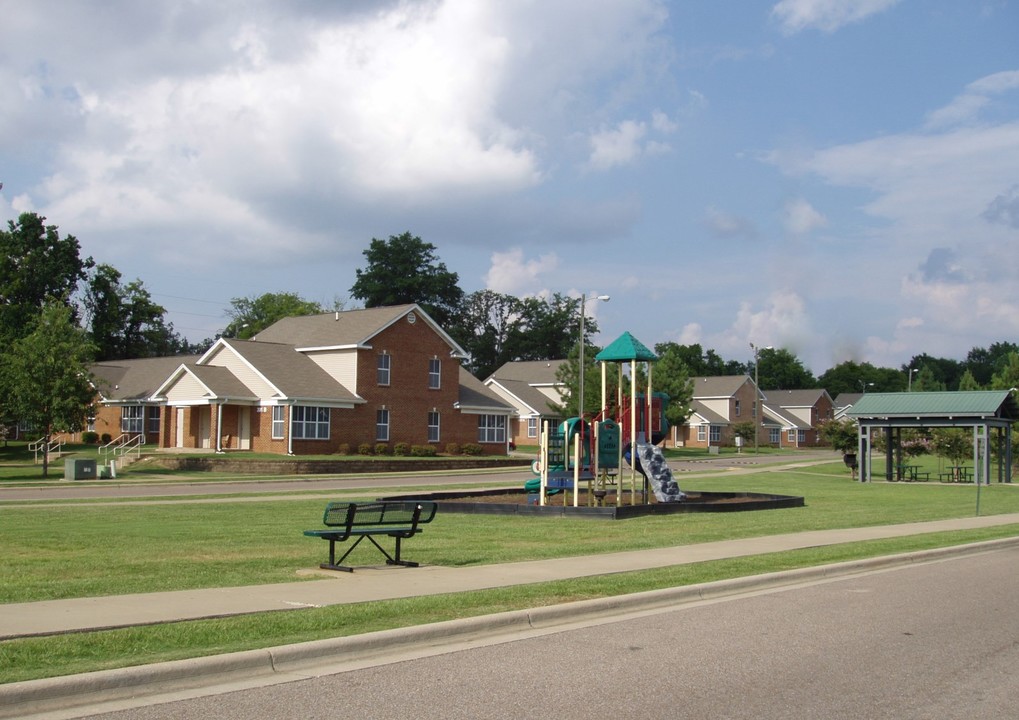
{"x":334,"y":564}
{"x":392,"y":559}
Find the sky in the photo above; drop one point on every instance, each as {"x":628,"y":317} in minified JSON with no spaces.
{"x":839,"y":178}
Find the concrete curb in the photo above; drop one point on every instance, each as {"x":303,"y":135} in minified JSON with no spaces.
{"x":292,"y":662}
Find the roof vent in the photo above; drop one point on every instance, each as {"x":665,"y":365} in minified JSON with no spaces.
{"x":412,"y":318}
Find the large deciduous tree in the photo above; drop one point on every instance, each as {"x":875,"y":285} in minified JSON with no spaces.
{"x":249,"y":316}
{"x":46,"y":376}
{"x":123,"y":321}
{"x":780,"y":369}
{"x":37,"y":267}
{"x":405,"y":269}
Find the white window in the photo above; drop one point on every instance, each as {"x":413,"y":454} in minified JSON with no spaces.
{"x":532,"y":427}
{"x":753,"y":408}
{"x":702,"y":433}
{"x":434,"y":374}
{"x":278,"y":421}
{"x":774,"y":436}
{"x":738,"y":408}
{"x":131,"y":419}
{"x":153,"y":424}
{"x":433,"y":426}
{"x":382,"y":425}
{"x":791,"y":435}
{"x":801,"y":436}
{"x":716,"y":433}
{"x":311,"y":423}
{"x":491,"y":428}
{"x":383,"y":369}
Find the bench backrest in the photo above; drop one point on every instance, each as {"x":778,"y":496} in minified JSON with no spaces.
{"x":378,"y":514}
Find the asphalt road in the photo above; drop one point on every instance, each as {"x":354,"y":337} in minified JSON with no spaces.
{"x":933,"y":641}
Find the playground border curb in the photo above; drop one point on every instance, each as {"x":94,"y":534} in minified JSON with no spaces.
{"x":62,"y":696}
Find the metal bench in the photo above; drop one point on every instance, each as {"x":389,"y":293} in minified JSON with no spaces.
{"x":395,"y":519}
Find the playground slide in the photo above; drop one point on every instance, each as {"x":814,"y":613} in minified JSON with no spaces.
{"x":651,"y":464}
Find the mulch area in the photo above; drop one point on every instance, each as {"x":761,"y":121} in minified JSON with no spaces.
{"x":518,"y":498}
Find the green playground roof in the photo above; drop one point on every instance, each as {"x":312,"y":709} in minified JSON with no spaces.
{"x":625,"y":348}
{"x":976,"y":403}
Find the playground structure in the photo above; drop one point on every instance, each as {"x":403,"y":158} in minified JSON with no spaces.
{"x":580,"y":454}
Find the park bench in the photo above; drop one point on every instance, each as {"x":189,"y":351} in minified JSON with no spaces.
{"x":395,"y":519}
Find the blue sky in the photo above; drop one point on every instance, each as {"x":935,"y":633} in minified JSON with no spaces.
{"x":836,"y":177}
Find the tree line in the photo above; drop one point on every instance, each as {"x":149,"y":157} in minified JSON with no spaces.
{"x":54,"y":303}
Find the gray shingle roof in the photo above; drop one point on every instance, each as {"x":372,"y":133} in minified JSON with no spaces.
{"x":348,"y":328}
{"x":126,"y":380}
{"x":295,"y":374}
{"x":527,"y":394}
{"x":474,"y":394}
{"x":534,"y":372}
{"x":718,"y":386}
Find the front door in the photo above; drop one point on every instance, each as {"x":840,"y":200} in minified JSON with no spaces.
{"x":180,"y":428}
{"x":244,"y":428}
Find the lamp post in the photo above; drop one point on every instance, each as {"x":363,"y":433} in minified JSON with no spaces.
{"x":757,"y":397}
{"x":580,"y":389}
{"x":909,"y":385}
{"x":865,"y":385}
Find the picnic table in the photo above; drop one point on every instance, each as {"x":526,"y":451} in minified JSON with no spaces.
{"x":911,"y":473}
{"x":957,"y":473}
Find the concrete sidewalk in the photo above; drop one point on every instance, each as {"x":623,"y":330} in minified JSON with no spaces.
{"x":382,"y":583}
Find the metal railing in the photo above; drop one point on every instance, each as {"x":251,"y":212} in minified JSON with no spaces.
{"x":38,"y":446}
{"x":125,"y":444}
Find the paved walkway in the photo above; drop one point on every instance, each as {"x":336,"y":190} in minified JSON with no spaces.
{"x":381,"y":583}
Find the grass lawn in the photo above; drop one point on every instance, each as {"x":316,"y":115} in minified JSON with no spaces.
{"x":80,"y":549}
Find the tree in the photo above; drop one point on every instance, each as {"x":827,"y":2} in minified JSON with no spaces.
{"x":779,"y":369}
{"x":46,"y":375}
{"x":486,"y":327}
{"x":1007,"y":377}
{"x":968,"y":382}
{"x":250,"y":316}
{"x":983,"y":363}
{"x":854,"y":377}
{"x":123,"y":321}
{"x":926,"y":381}
{"x":549,"y":328}
{"x":405,"y":269}
{"x":672,"y":376}
{"x":37,"y":267}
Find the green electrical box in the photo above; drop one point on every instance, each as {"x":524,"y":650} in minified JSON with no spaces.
{"x":79,"y":469}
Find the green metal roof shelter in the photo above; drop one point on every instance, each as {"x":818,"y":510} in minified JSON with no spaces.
{"x":983,"y":411}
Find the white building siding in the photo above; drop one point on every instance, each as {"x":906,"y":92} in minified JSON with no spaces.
{"x":341,"y":365}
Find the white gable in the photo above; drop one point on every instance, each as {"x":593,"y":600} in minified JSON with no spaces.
{"x":224,"y":356}
{"x":340,"y":364}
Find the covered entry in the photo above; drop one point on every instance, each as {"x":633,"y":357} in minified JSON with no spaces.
{"x":983,"y":412}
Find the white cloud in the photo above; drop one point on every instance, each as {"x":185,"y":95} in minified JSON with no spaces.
{"x":726,"y":225}
{"x":826,"y":15}
{"x":800,"y":217}
{"x":782,"y":322}
{"x":618,"y":146}
{"x":966,"y":107}
{"x":511,"y":274}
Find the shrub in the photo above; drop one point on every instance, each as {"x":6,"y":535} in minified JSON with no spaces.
{"x":106,"y":438}
{"x":452,"y":449}
{"x":343,"y":449}
{"x":364,"y":449}
{"x":472,"y":449}
{"x":381,"y":449}
{"x":401,"y":449}
{"x":423,"y":451}
{"x":90,"y":438}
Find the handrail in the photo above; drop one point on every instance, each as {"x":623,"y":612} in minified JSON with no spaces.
{"x":37,"y":445}
{"x":123,"y":444}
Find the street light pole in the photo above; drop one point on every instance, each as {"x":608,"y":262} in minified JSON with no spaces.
{"x":909,"y":385}
{"x":580,"y":355}
{"x":757,"y":398}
